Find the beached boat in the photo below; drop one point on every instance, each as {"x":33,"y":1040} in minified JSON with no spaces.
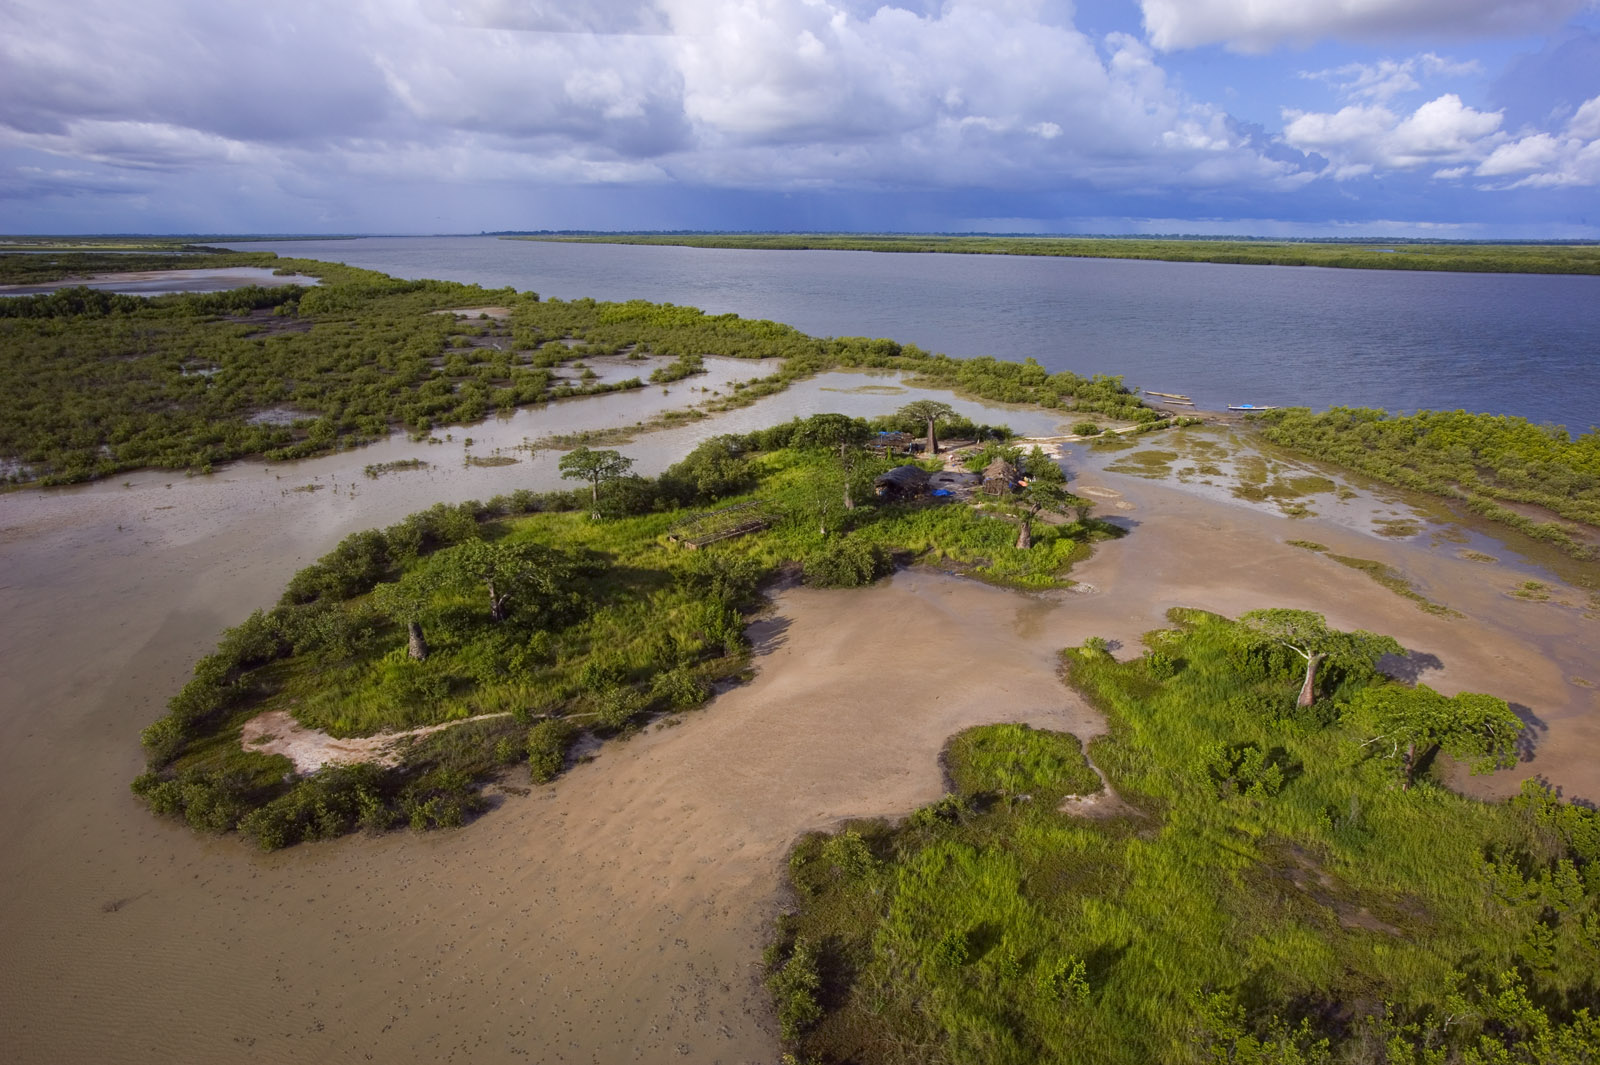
{"x":1248,"y":407}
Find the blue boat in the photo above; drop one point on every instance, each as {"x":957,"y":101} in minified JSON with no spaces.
{"x":1248,"y":406}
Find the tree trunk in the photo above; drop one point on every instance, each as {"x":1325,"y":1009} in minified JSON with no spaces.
{"x":1025,"y":535}
{"x":418,"y":648}
{"x":933,"y":441}
{"x":849,"y":504}
{"x":497,"y":604}
{"x":1308,"y":690}
{"x":1411,"y":765}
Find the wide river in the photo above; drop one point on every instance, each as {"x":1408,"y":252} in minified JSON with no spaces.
{"x":1502,"y":343}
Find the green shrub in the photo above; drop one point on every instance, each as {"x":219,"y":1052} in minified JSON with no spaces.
{"x":846,"y":562}
{"x":794,"y":986}
{"x":548,"y":743}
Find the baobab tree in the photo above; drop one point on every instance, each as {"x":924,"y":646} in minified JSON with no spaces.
{"x":932,"y":412}
{"x":596,"y":467}
{"x":1308,"y":635}
{"x":835,"y":432}
{"x":1042,"y":497}
{"x":507,"y":572}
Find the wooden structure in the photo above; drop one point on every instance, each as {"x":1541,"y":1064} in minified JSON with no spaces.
{"x":902,"y":482}
{"x":1000,"y":478}
{"x":699,"y":530}
{"x":890,"y":443}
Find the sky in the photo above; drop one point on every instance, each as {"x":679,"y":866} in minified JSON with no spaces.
{"x":1402,"y":118}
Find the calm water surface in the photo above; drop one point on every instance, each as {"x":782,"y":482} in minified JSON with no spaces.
{"x":1504,"y":343}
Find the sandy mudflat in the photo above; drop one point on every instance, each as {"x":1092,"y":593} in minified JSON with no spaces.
{"x":618,"y":915}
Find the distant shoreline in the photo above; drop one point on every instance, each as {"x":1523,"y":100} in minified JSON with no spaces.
{"x":1457,"y":257}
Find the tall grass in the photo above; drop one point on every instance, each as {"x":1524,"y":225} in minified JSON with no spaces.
{"x":1329,"y":916}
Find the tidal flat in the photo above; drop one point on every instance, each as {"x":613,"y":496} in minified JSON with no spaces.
{"x":618,"y":913}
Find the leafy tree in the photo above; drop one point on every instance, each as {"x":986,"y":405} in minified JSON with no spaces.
{"x":1038,"y":497}
{"x":1308,"y":635}
{"x":505,"y":570}
{"x":1413,"y":723}
{"x":596,"y":467}
{"x":406,"y":600}
{"x":931,"y":412}
{"x":829,"y":432}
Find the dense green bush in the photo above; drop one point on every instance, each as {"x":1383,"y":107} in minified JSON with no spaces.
{"x":548,"y":743}
{"x":846,"y":562}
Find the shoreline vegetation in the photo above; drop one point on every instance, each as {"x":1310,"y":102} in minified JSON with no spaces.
{"x":1469,"y":257}
{"x":103,"y":383}
{"x":534,"y":619}
{"x":1278,"y":884}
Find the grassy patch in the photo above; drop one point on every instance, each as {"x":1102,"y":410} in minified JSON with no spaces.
{"x":1016,"y":761}
{"x":1308,"y":545}
{"x":1148,"y":463}
{"x":1280,"y":898}
{"x":1396,"y":528}
{"x":1396,"y":582}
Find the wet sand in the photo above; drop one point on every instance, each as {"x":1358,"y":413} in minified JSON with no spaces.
{"x":166,"y":282}
{"x":618,"y":914}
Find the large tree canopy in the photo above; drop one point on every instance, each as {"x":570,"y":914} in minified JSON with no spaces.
{"x":931,"y":412}
{"x":1409,"y":724}
{"x":596,"y":467}
{"x":835,"y":432}
{"x":1307,"y":634}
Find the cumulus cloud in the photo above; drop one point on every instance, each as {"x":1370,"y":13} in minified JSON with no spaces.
{"x":1387,"y":78}
{"x":747,"y":93}
{"x":339,"y":105}
{"x":1544,"y":160}
{"x":1362,"y":138}
{"x":1260,"y":25}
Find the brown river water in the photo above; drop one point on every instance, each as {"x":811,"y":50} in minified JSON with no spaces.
{"x":618,"y":914}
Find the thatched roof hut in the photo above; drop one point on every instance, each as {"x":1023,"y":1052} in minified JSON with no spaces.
{"x":902,"y":482}
{"x":1000,"y":478}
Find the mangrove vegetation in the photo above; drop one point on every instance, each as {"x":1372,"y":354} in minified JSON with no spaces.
{"x":1494,"y":464}
{"x":529,"y":621}
{"x":1474,"y":257}
{"x":100,"y":383}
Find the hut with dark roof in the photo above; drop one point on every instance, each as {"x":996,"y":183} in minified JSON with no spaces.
{"x":902,"y":482}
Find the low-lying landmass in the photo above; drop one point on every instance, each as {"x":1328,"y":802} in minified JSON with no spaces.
{"x":1284,"y":881}
{"x":1490,"y":463}
{"x":1474,"y":257}
{"x":102,"y":383}
{"x":533,"y":620}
